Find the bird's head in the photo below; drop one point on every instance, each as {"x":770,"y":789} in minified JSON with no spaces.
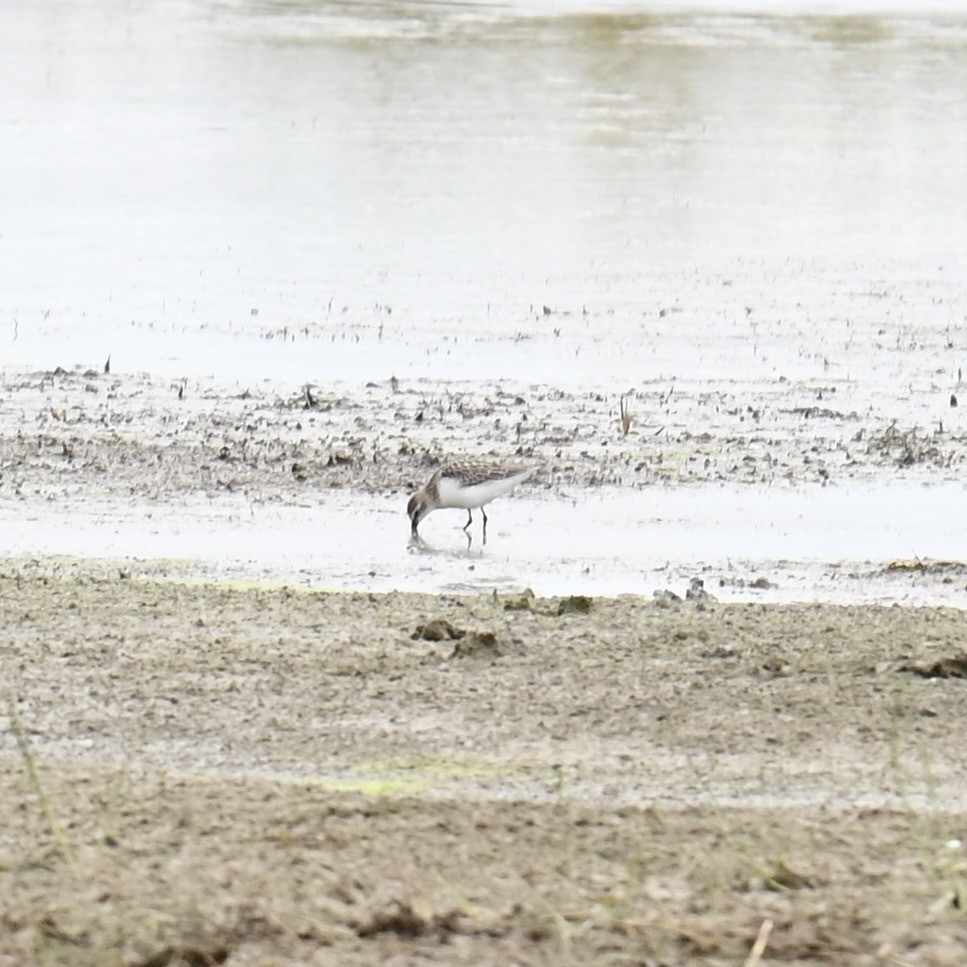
{"x":417,"y":510}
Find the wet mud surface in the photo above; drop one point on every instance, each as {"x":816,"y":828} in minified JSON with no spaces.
{"x":273,"y":776}
{"x":81,"y":434}
{"x":818,"y":486}
{"x":196,"y":772}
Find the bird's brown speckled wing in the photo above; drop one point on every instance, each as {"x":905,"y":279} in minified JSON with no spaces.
{"x":471,"y":472}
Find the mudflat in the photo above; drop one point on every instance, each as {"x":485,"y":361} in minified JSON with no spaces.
{"x":82,"y":436}
{"x":201,"y":773}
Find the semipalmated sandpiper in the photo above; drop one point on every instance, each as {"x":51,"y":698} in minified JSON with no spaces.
{"x":467,"y":484}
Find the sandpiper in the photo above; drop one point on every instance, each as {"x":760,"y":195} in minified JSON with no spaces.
{"x":465,"y":484}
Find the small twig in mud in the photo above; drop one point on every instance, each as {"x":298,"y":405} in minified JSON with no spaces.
{"x":758,"y":948}
{"x":53,"y":823}
{"x":627,"y":416}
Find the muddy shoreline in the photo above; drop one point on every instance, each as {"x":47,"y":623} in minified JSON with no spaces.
{"x":272,"y":775}
{"x":69,"y":433}
{"x":804,"y":483}
{"x":203,"y":772}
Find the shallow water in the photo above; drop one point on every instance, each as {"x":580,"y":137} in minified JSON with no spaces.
{"x":331,"y":191}
{"x":609,"y":542}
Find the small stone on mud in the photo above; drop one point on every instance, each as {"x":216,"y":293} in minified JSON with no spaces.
{"x":520,"y":602}
{"x":439,"y":629}
{"x":666,"y":598}
{"x":697,"y":592}
{"x":478,"y":644}
{"x":575,"y":604}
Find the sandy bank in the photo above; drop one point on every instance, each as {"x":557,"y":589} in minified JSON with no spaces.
{"x":271,"y":776}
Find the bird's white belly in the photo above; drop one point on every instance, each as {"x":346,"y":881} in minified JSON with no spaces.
{"x":454,"y":495}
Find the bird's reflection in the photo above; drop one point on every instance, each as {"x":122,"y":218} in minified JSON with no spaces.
{"x":417,"y":545}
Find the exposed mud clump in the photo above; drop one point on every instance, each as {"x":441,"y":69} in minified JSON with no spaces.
{"x":439,"y":629}
{"x":575,"y":604}
{"x":954,"y":666}
{"x":478,"y":644}
{"x":949,"y":568}
{"x":469,"y":644}
{"x":696,"y":592}
{"x":402,"y":919}
{"x":520,"y":602}
{"x":188,"y":955}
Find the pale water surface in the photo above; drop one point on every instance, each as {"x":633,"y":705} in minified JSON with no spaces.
{"x":186,"y":184}
{"x":813,"y":544}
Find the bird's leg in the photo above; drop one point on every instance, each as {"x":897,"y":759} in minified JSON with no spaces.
{"x":470,"y":519}
{"x":482,"y":511}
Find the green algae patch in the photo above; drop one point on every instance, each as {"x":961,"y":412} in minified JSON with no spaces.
{"x":375,"y":787}
{"x":437,"y":767}
{"x":464,"y":769}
